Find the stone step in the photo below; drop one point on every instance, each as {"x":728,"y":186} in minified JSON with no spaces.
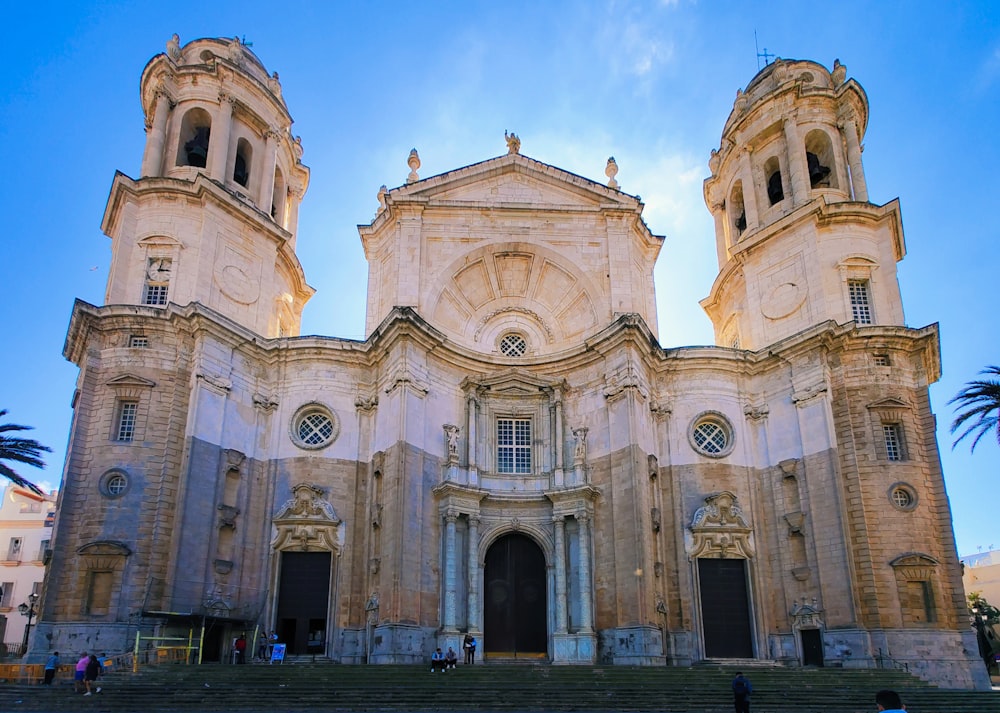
{"x":311,"y":687}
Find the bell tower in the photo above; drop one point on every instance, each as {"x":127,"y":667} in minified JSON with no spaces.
{"x":798,"y":241}
{"x":212,"y":218}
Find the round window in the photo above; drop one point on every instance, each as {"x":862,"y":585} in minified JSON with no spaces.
{"x":114,"y":484}
{"x":711,"y":435}
{"x":902,"y":496}
{"x":513,"y":345}
{"x":314,"y":426}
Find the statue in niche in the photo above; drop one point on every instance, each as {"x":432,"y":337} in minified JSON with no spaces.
{"x":580,"y":449}
{"x":371,"y":608}
{"x":451,"y":436}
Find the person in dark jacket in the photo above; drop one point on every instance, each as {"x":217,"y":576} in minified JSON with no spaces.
{"x":91,"y":674}
{"x":741,"y":693}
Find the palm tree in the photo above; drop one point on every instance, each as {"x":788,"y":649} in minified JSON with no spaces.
{"x":981,"y":401}
{"x":20,"y":450}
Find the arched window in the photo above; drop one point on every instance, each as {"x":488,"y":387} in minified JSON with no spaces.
{"x":820,"y":160}
{"x":196,"y":130}
{"x":772,"y":172}
{"x":241,"y":168}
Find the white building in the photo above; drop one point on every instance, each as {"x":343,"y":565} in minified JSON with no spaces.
{"x":25,"y":534}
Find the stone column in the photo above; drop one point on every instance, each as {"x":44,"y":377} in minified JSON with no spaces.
{"x":450,"y":566}
{"x":152,"y":159}
{"x":798,"y":167}
{"x":726,"y":233}
{"x":218,"y":144}
{"x":850,"y":129}
{"x":749,"y":191}
{"x":473,"y":583}
{"x":560,"y":559}
{"x":472,"y":442}
{"x":557,"y":473}
{"x":586,"y":606}
{"x":295,"y":194}
{"x":266,"y":195}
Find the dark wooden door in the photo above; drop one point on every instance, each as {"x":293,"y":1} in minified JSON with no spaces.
{"x":812,"y":647}
{"x":303,"y":601}
{"x":514,"y":616}
{"x":725,"y":608}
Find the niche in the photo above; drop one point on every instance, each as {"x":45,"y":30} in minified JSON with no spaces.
{"x":241,"y":168}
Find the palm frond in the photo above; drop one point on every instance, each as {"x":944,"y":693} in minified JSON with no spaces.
{"x":981,"y":400}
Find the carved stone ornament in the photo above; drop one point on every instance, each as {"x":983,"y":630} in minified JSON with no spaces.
{"x":806,"y":615}
{"x":513,"y":143}
{"x":719,"y":529}
{"x":174,"y":48}
{"x":307,"y":522}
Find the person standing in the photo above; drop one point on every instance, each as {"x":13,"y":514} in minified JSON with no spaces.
{"x":889,"y":701}
{"x":91,"y":672}
{"x":78,"y":674}
{"x":241,"y":649}
{"x":467,"y":645}
{"x":51,"y":666}
{"x":741,"y":693}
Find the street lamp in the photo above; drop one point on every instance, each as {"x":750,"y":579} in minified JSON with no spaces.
{"x":27,"y":609}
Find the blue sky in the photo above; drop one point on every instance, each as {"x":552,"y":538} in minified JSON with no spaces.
{"x":650,"y":83}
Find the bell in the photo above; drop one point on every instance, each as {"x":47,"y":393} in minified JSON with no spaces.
{"x":197,"y":148}
{"x":775,"y":193}
{"x":741,"y":221}
{"x":817,"y":172}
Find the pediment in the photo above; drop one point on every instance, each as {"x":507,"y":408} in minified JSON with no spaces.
{"x":512,"y":383}
{"x":513,"y":179}
{"x":130,"y":381}
{"x":890,"y":403}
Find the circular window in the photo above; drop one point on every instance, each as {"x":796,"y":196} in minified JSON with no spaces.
{"x":314,"y":426}
{"x":114,"y":484}
{"x":902,"y":496}
{"x":513,"y":345}
{"x":711,"y":435}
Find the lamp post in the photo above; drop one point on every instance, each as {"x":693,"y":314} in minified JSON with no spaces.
{"x":27,"y":609}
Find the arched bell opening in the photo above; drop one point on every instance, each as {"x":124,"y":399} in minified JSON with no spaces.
{"x":737,"y":210}
{"x":775,"y":189}
{"x":241,"y":167}
{"x":195,"y":135}
{"x":820,"y":160}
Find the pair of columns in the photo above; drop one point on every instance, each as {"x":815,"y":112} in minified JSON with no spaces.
{"x":474,"y":619}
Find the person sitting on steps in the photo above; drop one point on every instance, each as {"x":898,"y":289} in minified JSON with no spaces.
{"x":437,"y":660}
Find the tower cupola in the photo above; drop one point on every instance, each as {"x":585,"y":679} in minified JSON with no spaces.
{"x":213,"y":217}
{"x":795,"y":231}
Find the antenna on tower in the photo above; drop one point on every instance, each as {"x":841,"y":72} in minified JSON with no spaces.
{"x":765,"y":55}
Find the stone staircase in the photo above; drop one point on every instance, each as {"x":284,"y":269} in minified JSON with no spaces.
{"x":302,"y":687}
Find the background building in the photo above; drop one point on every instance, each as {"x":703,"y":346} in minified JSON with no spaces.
{"x":510,"y":452}
{"x":25,"y":535}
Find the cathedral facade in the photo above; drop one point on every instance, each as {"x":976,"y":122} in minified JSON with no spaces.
{"x":510,"y":452}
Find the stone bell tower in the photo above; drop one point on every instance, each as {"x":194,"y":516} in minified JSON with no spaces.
{"x":212,"y":219}
{"x":799,"y":243}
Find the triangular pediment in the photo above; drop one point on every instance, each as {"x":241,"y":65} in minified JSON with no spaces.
{"x":512,"y":382}
{"x":513,"y":179}
{"x":131,"y":380}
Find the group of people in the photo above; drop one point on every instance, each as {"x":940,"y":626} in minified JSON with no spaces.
{"x":88,"y":669}
{"x":886,"y":700}
{"x":441,"y":661}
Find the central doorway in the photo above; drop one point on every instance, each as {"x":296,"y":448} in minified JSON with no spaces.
{"x":725,"y":608}
{"x":303,"y":600}
{"x":514,"y":613}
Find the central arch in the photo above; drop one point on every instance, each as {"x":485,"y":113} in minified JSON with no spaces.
{"x":515,"y":611}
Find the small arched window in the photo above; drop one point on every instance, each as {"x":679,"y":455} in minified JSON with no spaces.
{"x":279,"y":197}
{"x":195,"y":135}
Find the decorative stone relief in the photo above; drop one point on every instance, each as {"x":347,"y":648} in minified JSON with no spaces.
{"x":307,"y":522}
{"x":451,"y":432}
{"x":719,"y":529}
{"x":806,"y":616}
{"x":580,"y":446}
